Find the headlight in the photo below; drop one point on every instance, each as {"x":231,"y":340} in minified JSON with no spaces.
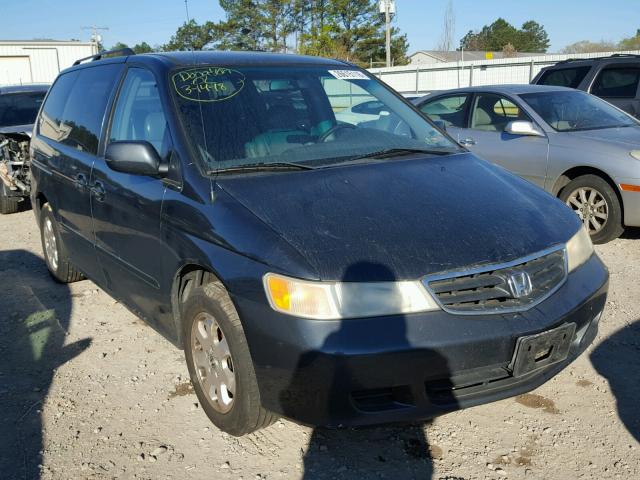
{"x":635,"y":154}
{"x":337,"y":300}
{"x":579,"y":249}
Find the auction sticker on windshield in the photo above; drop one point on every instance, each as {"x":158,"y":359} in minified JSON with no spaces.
{"x":349,"y":74}
{"x":208,"y":84}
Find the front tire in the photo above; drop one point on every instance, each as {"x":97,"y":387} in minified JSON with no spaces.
{"x":597,"y":205}
{"x":55,"y":256}
{"x":7,"y":204}
{"x":219,"y":362}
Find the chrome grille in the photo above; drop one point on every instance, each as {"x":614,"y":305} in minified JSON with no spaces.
{"x":511,"y":287}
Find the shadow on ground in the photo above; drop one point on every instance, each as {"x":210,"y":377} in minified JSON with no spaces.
{"x":33,"y":326}
{"x":618,"y":360}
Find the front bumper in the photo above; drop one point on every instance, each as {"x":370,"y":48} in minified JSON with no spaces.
{"x":408,"y":368}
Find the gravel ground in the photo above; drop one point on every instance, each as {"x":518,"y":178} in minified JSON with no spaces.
{"x":89,"y":391}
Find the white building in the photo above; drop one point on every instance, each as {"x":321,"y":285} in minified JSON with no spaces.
{"x":38,"y":61}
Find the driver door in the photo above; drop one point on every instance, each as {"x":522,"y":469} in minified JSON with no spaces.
{"x":525,"y":156}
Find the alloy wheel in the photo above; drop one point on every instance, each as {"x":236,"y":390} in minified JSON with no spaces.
{"x":213,"y":363}
{"x":50,"y":244}
{"x":589,"y":204}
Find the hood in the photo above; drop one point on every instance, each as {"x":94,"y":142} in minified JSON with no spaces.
{"x":402,"y":219}
{"x":626,"y":137}
{"x":25,"y":129}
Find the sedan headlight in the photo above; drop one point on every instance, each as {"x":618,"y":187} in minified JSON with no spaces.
{"x":579,"y":249}
{"x":635,"y":154}
{"x":338,"y":300}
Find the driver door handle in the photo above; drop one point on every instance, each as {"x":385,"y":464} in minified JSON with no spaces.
{"x":80,"y":181}
{"x":98,"y":191}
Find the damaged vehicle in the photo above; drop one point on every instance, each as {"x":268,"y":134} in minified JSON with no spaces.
{"x":19,"y":107}
{"x":334,"y":273}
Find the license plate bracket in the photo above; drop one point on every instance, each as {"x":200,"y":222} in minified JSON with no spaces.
{"x":542,"y":349}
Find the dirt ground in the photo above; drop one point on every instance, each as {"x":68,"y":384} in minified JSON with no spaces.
{"x":88,"y":391}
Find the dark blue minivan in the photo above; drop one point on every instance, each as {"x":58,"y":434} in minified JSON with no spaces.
{"x":330,"y":271}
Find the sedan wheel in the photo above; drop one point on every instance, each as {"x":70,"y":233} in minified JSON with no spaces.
{"x":213,"y":362}
{"x":591,"y":207}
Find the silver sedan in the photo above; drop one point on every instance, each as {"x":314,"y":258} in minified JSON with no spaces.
{"x":574,"y":145}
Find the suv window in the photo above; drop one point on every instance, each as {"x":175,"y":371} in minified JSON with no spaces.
{"x":138,"y":115}
{"x":564,"y":77}
{"x":617,"y":82}
{"x":493,"y":112}
{"x":451,"y":110}
{"x":75,"y":108}
{"x":19,"y":108}
{"x":372,"y":107}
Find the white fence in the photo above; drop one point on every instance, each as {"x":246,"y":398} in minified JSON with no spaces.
{"x":34,"y":61}
{"x":423,"y":79}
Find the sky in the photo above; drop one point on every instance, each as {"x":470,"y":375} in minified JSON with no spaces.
{"x":154,"y":21}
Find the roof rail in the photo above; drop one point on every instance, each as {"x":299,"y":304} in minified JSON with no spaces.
{"x":595,"y":59}
{"x":122,"y":52}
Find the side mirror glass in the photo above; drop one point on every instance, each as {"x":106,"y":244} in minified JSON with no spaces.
{"x":521,"y":127}
{"x":136,"y":158}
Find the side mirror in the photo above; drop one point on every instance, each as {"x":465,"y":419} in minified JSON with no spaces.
{"x":136,"y":158}
{"x":441,"y":124}
{"x":522,"y":127}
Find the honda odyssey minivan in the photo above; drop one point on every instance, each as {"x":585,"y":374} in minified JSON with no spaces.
{"x":332,"y":272}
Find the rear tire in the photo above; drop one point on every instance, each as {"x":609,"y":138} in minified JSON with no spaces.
{"x":596,"y":203}
{"x":219,"y":362}
{"x":7,"y":204}
{"x":55,"y":256}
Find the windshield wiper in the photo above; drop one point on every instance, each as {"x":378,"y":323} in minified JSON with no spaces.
{"x":262,"y":167}
{"x":396,"y":152}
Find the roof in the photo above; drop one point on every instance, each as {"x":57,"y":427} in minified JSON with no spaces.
{"x":33,"y":87}
{"x":469,"y":55}
{"x":228,"y":58}
{"x":45,"y":41}
{"x":519,"y":89}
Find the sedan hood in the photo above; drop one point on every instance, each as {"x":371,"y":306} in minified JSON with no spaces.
{"x":627,"y":137}
{"x":403,"y":219}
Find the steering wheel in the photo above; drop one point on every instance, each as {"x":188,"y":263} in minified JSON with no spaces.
{"x":323,"y":138}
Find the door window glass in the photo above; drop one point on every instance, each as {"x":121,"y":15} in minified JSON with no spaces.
{"x":139,"y":115}
{"x":564,"y":77}
{"x":617,"y":83}
{"x":75,"y":108}
{"x":451,"y":110}
{"x":493,"y":112}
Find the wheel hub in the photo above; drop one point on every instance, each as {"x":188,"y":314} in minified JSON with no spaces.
{"x":591,"y":206}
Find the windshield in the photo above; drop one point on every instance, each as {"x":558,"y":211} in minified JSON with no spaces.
{"x":574,"y":111}
{"x":20,"y":108}
{"x":310,"y":116}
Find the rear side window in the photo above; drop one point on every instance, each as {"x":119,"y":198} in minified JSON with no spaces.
{"x":564,"y":77}
{"x":617,"y":82}
{"x":75,"y":108}
{"x":19,"y":108}
{"x":451,"y":110}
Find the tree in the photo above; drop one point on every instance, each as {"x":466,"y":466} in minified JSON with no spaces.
{"x":142,"y":47}
{"x":631,"y":43}
{"x":448,"y":29}
{"x":532,"y":37}
{"x":192,"y":36}
{"x":586,"y":46}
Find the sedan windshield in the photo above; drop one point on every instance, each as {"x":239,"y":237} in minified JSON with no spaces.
{"x":300,"y":116}
{"x":567,"y":111}
{"x":19,"y":108}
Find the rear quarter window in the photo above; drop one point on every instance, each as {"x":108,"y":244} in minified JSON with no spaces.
{"x":564,"y":77}
{"x":617,"y":82}
{"x":74,"y":110}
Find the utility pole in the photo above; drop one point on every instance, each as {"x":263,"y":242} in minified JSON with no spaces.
{"x":96,"y":38}
{"x":387,"y":21}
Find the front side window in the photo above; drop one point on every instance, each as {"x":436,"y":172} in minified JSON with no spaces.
{"x":241,"y":116}
{"x":619,"y":82}
{"x":567,"y":111}
{"x":20,"y":108}
{"x":451,"y":110}
{"x":564,"y":77}
{"x":139,"y":115}
{"x":493,"y":113}
{"x":75,"y":108}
